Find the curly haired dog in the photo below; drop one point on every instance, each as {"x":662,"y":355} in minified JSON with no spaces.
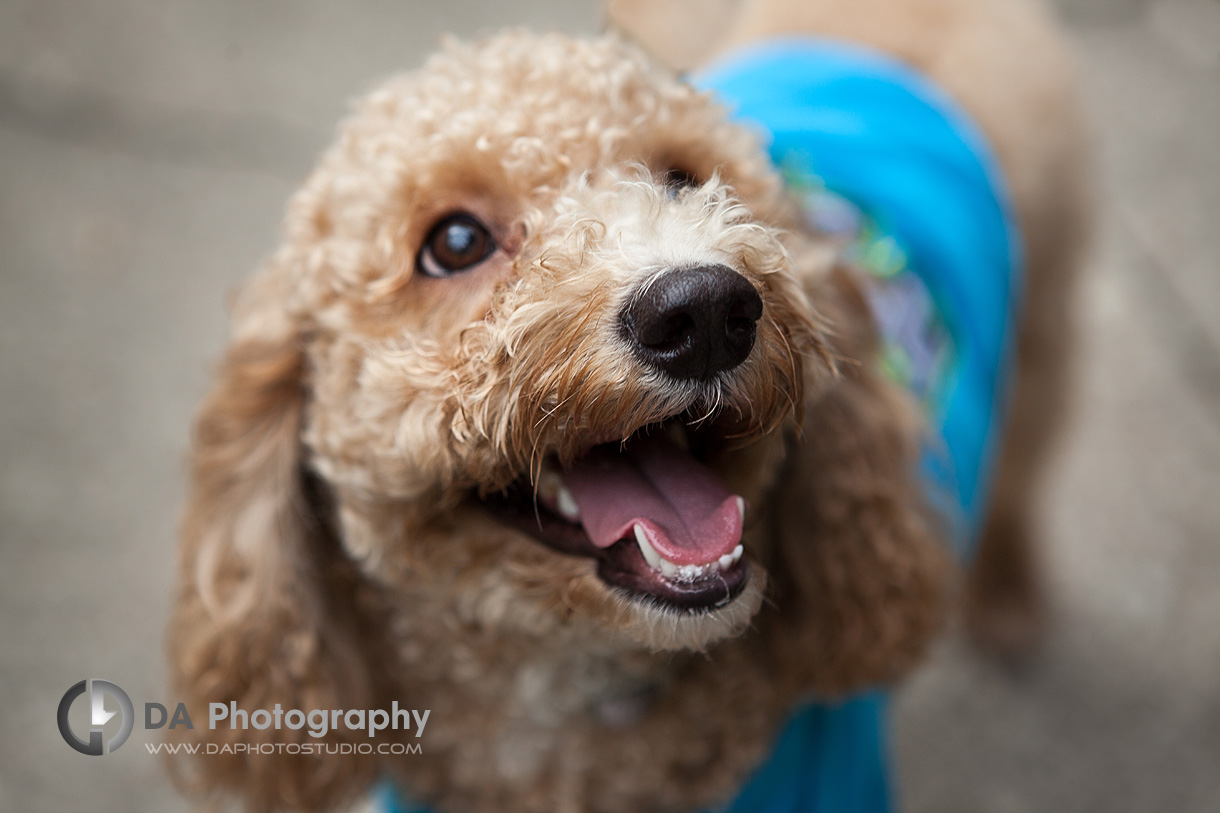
{"x":553,"y":416}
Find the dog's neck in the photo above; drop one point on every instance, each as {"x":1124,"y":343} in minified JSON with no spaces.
{"x":567,"y":716}
{"x":540,"y":679}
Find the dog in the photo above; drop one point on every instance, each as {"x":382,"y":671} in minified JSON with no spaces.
{"x":557,"y":416}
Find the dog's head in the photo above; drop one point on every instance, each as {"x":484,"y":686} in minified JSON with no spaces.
{"x":542,"y":338}
{"x":558,"y":340}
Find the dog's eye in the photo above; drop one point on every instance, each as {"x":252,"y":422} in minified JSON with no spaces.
{"x":457,"y":243}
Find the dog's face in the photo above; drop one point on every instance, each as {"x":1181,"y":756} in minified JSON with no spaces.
{"x":554,"y":338}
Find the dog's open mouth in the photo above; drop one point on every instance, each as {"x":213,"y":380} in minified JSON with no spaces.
{"x":660,"y":523}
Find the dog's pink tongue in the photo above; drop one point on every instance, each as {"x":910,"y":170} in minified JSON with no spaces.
{"x":687,"y":512}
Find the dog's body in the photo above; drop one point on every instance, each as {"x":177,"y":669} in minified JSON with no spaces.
{"x":412,"y":478}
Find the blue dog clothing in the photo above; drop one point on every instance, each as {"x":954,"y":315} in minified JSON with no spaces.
{"x":889,"y":165}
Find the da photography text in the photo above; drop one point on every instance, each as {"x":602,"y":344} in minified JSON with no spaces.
{"x":317,"y":722}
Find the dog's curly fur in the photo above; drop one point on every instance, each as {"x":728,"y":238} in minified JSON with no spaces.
{"x":334,"y":553}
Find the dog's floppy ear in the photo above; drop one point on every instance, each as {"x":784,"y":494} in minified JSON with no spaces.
{"x":860,"y":568}
{"x":257,"y":621}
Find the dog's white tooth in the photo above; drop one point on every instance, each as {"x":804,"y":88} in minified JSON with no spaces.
{"x":668,"y":569}
{"x":650,"y":553}
{"x":741,"y":509}
{"x":737,"y":552}
{"x":726,"y":561}
{"x":566,"y":503}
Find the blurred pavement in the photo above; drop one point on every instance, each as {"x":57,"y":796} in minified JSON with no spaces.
{"x":146,"y":151}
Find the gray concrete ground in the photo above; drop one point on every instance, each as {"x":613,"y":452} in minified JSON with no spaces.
{"x":146,"y":150}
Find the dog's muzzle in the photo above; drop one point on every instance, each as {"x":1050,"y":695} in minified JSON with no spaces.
{"x":692,"y":323}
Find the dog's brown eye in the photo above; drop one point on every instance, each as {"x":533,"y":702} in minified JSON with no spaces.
{"x":457,"y":243}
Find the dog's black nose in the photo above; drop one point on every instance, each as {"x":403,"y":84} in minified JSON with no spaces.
{"x":692,"y":323}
